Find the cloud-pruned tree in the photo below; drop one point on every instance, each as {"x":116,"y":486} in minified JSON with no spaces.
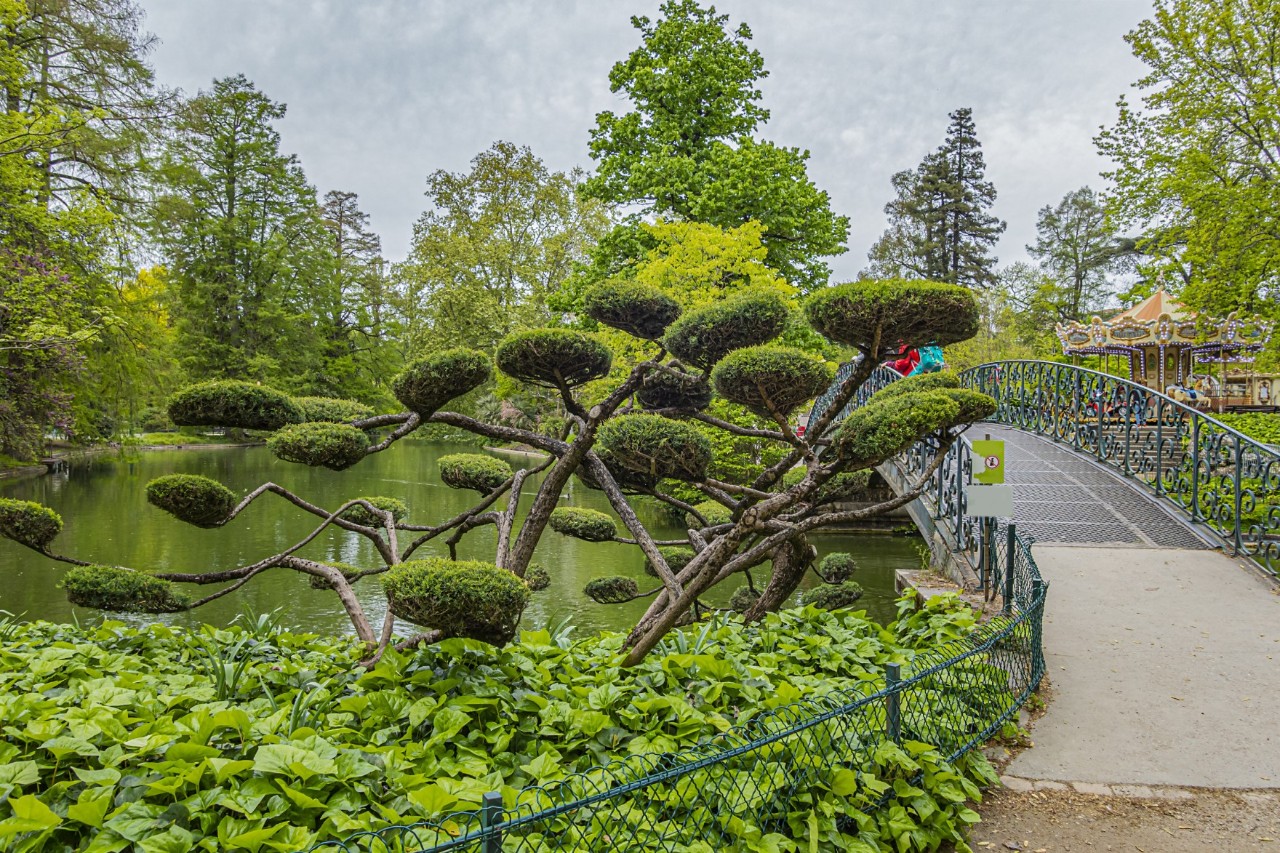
{"x":641,"y":437}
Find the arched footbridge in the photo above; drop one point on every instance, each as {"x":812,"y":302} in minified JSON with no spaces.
{"x":1158,"y":529}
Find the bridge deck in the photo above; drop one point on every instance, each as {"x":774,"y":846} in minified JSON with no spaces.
{"x":1062,"y":497}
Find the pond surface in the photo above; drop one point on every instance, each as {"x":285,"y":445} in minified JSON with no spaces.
{"x":108,"y":520}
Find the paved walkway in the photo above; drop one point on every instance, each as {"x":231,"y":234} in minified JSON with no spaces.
{"x":1163,"y":655}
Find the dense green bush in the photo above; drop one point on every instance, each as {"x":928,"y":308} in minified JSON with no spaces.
{"x":913,"y":384}
{"x":228,"y":403}
{"x":834,"y":596}
{"x":121,"y":590}
{"x":914,"y":313}
{"x":703,"y":337}
{"x":474,"y":471}
{"x":332,"y":409}
{"x":1260,"y":426}
{"x":131,"y":739}
{"x":771,"y":379}
{"x":549,"y":357}
{"x":879,"y":431}
{"x":359,"y":515}
{"x":589,"y":525}
{"x":837,"y":567}
{"x":664,"y":389}
{"x":615,"y":589}
{"x":462,"y":599}
{"x":640,"y":310}
{"x":536,"y":578}
{"x":677,"y":558}
{"x":974,"y":405}
{"x":320,"y":444}
{"x":191,"y":498}
{"x":715,"y":513}
{"x":653,"y":448}
{"x":427,"y":383}
{"x":29,"y":523}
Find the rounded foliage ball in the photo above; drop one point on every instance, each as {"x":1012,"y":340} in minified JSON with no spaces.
{"x":677,"y":558}
{"x":771,"y":381}
{"x":914,"y":384}
{"x":834,"y":596}
{"x":196,"y":500}
{"x":332,"y":409}
{"x":552,"y":357}
{"x":474,"y":471}
{"x":894,"y":312}
{"x":715,"y":513}
{"x":589,"y":525}
{"x":703,"y":337}
{"x":879,"y":431}
{"x":359,"y":514}
{"x":974,"y":405}
{"x":115,"y":589}
{"x":229,"y":403}
{"x":743,"y":599}
{"x":671,"y":389}
{"x":611,"y":590}
{"x":462,"y":599}
{"x":640,"y":310}
{"x":653,"y":448}
{"x":537,"y":578}
{"x":333,"y":446}
{"x":427,"y":383}
{"x":28,"y":523}
{"x":837,"y":568}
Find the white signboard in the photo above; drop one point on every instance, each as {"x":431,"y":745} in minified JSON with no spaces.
{"x":990,"y":501}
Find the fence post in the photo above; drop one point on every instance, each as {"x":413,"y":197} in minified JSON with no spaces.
{"x":1011,"y":544}
{"x":893,"y":702}
{"x":491,"y":817}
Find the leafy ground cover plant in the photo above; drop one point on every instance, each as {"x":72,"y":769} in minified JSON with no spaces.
{"x":249,"y":738}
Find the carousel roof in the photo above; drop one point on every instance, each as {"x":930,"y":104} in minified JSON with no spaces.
{"x":1162,"y":321}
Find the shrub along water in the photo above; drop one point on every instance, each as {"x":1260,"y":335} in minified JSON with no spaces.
{"x":157,"y":739}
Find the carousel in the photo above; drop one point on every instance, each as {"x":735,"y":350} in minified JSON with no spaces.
{"x":1204,"y":361}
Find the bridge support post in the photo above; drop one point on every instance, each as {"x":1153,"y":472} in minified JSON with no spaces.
{"x":893,"y":702}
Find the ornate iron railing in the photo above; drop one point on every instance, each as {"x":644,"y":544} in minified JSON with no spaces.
{"x":1213,"y":475}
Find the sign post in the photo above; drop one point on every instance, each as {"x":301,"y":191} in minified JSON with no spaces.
{"x":988,"y":499}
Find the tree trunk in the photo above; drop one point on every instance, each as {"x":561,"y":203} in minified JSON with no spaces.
{"x":790,"y":562}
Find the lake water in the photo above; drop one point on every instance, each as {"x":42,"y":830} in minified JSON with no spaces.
{"x":108,"y":520}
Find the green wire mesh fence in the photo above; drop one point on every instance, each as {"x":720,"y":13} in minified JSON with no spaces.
{"x":767,"y":770}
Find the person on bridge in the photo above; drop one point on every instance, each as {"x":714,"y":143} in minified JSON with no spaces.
{"x":931,"y":361}
{"x":908,"y":358}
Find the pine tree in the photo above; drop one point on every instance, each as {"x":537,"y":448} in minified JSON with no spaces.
{"x":939,"y":224}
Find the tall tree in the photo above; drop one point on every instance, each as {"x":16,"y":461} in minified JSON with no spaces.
{"x":1196,"y":163}
{"x":241,"y":234}
{"x":1079,"y":250}
{"x":940,"y":225}
{"x":497,"y":241}
{"x":687,"y":150}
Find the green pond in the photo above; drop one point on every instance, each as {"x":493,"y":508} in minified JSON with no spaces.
{"x":107,"y":520}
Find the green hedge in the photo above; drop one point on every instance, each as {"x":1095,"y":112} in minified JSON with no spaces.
{"x":332,"y":409}
{"x":640,"y":310}
{"x":771,"y":379}
{"x":1260,"y":426}
{"x":29,"y":523}
{"x":121,"y":590}
{"x":196,"y":500}
{"x":914,"y":313}
{"x":320,"y":444}
{"x":359,"y":515}
{"x":228,"y":403}
{"x":703,"y":337}
{"x":427,"y":383}
{"x":474,"y":471}
{"x":463,"y":599}
{"x":653,"y":448}
{"x":589,"y":525}
{"x":549,"y":357}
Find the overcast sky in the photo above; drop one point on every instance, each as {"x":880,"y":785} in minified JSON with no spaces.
{"x":382,"y":92}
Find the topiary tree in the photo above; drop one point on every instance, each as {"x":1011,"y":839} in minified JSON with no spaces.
{"x":638,"y":430}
